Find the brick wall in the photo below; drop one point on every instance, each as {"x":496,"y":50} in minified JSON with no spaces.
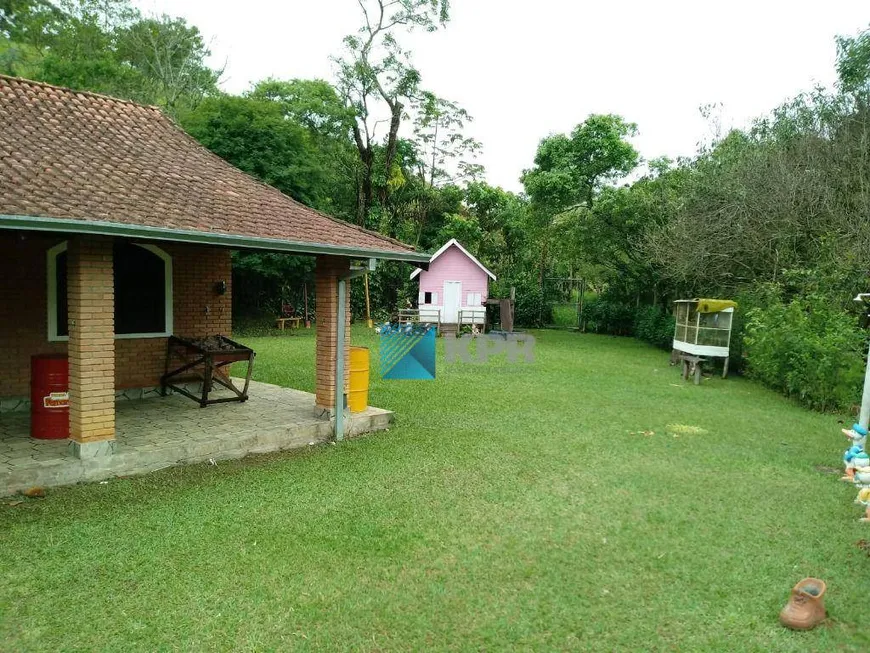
{"x":23,"y":318}
{"x":198,"y":310}
{"x":327,"y":273}
{"x":91,"y":347}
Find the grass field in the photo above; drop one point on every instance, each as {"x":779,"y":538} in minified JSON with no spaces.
{"x":590,"y":500}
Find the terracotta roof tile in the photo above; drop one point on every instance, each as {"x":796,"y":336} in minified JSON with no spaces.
{"x":83,"y":156}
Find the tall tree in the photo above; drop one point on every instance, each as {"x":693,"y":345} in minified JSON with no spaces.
{"x":108,"y":47}
{"x":254,"y":135}
{"x":377,"y":79}
{"x":446,"y":153}
{"x":171,"y":56}
{"x":853,"y":61}
{"x":571,"y":168}
{"x":316,"y":106}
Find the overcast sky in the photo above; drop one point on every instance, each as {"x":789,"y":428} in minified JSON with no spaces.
{"x":525,"y":69}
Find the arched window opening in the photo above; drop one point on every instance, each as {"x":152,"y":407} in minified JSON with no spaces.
{"x":143,"y":291}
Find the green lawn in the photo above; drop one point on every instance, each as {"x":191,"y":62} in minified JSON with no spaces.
{"x":512,"y":506}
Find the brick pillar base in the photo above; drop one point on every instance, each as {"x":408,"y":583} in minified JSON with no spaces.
{"x":91,"y":300}
{"x":329,"y":270}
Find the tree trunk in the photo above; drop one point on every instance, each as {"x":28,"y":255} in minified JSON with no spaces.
{"x":390,"y":151}
{"x":365,"y":190}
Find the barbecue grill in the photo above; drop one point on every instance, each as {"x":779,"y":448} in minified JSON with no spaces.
{"x":205,"y":360}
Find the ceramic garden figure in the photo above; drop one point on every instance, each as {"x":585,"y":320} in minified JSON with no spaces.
{"x":864,"y":500}
{"x":858,"y":437}
{"x":862,"y":474}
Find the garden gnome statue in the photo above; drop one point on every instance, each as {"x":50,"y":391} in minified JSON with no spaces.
{"x":864,"y":500}
{"x":806,"y":606}
{"x":858,"y":437}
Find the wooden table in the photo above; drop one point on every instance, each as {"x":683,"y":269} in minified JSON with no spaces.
{"x":294,"y":322}
{"x":692,"y":367}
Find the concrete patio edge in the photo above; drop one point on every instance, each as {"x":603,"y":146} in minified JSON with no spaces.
{"x":253,"y":436}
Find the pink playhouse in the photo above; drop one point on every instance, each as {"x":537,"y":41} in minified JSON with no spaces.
{"x":453,"y":290}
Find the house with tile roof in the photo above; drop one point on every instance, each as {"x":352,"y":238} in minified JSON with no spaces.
{"x":116,"y":230}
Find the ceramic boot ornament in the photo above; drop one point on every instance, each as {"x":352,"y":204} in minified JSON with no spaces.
{"x":806,"y":605}
{"x":858,"y":437}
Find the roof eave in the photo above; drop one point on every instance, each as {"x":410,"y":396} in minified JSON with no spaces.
{"x":447,"y":246}
{"x":234,"y":241}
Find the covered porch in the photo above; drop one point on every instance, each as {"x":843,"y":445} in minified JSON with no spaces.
{"x":156,"y":432}
{"x":107,"y":261}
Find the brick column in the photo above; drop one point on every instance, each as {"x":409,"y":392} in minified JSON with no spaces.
{"x":329,"y":270}
{"x":91,"y":299}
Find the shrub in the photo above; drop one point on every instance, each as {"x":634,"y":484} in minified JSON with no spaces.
{"x":655,"y":325}
{"x":605,"y":315}
{"x":530,"y":308}
{"x":564,"y":315}
{"x":806,"y":349}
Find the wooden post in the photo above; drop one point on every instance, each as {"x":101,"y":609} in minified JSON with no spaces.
{"x":305,"y":299}
{"x":368,"y":303}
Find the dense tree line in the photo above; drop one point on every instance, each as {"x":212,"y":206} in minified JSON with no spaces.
{"x":776,"y":215}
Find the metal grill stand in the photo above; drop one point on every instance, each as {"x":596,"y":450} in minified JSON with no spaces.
{"x":203,"y":359}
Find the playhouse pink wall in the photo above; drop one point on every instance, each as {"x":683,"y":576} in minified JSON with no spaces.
{"x":453,"y":265}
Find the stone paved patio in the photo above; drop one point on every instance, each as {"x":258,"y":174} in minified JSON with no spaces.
{"x":161,"y":432}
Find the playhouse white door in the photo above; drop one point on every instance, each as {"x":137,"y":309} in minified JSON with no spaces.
{"x":452,"y":302}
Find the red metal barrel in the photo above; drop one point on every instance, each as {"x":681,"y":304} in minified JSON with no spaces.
{"x":49,"y":397}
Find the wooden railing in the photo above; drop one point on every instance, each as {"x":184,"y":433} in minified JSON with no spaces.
{"x":420,"y":316}
{"x":475,"y":315}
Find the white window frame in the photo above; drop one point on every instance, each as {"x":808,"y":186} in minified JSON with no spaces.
{"x":51,"y":266}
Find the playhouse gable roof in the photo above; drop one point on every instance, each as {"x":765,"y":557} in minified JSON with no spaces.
{"x":468,"y":254}
{"x":76,"y":162}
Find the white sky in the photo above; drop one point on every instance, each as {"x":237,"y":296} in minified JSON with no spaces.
{"x":525,"y":69}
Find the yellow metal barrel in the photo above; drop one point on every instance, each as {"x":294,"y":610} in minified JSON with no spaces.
{"x":358,"y":397}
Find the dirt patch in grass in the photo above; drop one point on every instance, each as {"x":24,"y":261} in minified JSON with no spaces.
{"x":685,"y":429}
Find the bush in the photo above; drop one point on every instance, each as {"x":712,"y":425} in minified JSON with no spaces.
{"x":655,"y":325}
{"x":605,"y":315}
{"x":530,"y":307}
{"x":806,"y":349}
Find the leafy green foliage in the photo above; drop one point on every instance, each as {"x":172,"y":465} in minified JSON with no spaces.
{"x":655,"y":325}
{"x":255,"y":136}
{"x":108,"y":47}
{"x":806,"y":349}
{"x":569,"y":169}
{"x":603,"y":314}
{"x":264,"y":281}
{"x":376,"y":78}
{"x":608,"y":314}
{"x":853,"y":61}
